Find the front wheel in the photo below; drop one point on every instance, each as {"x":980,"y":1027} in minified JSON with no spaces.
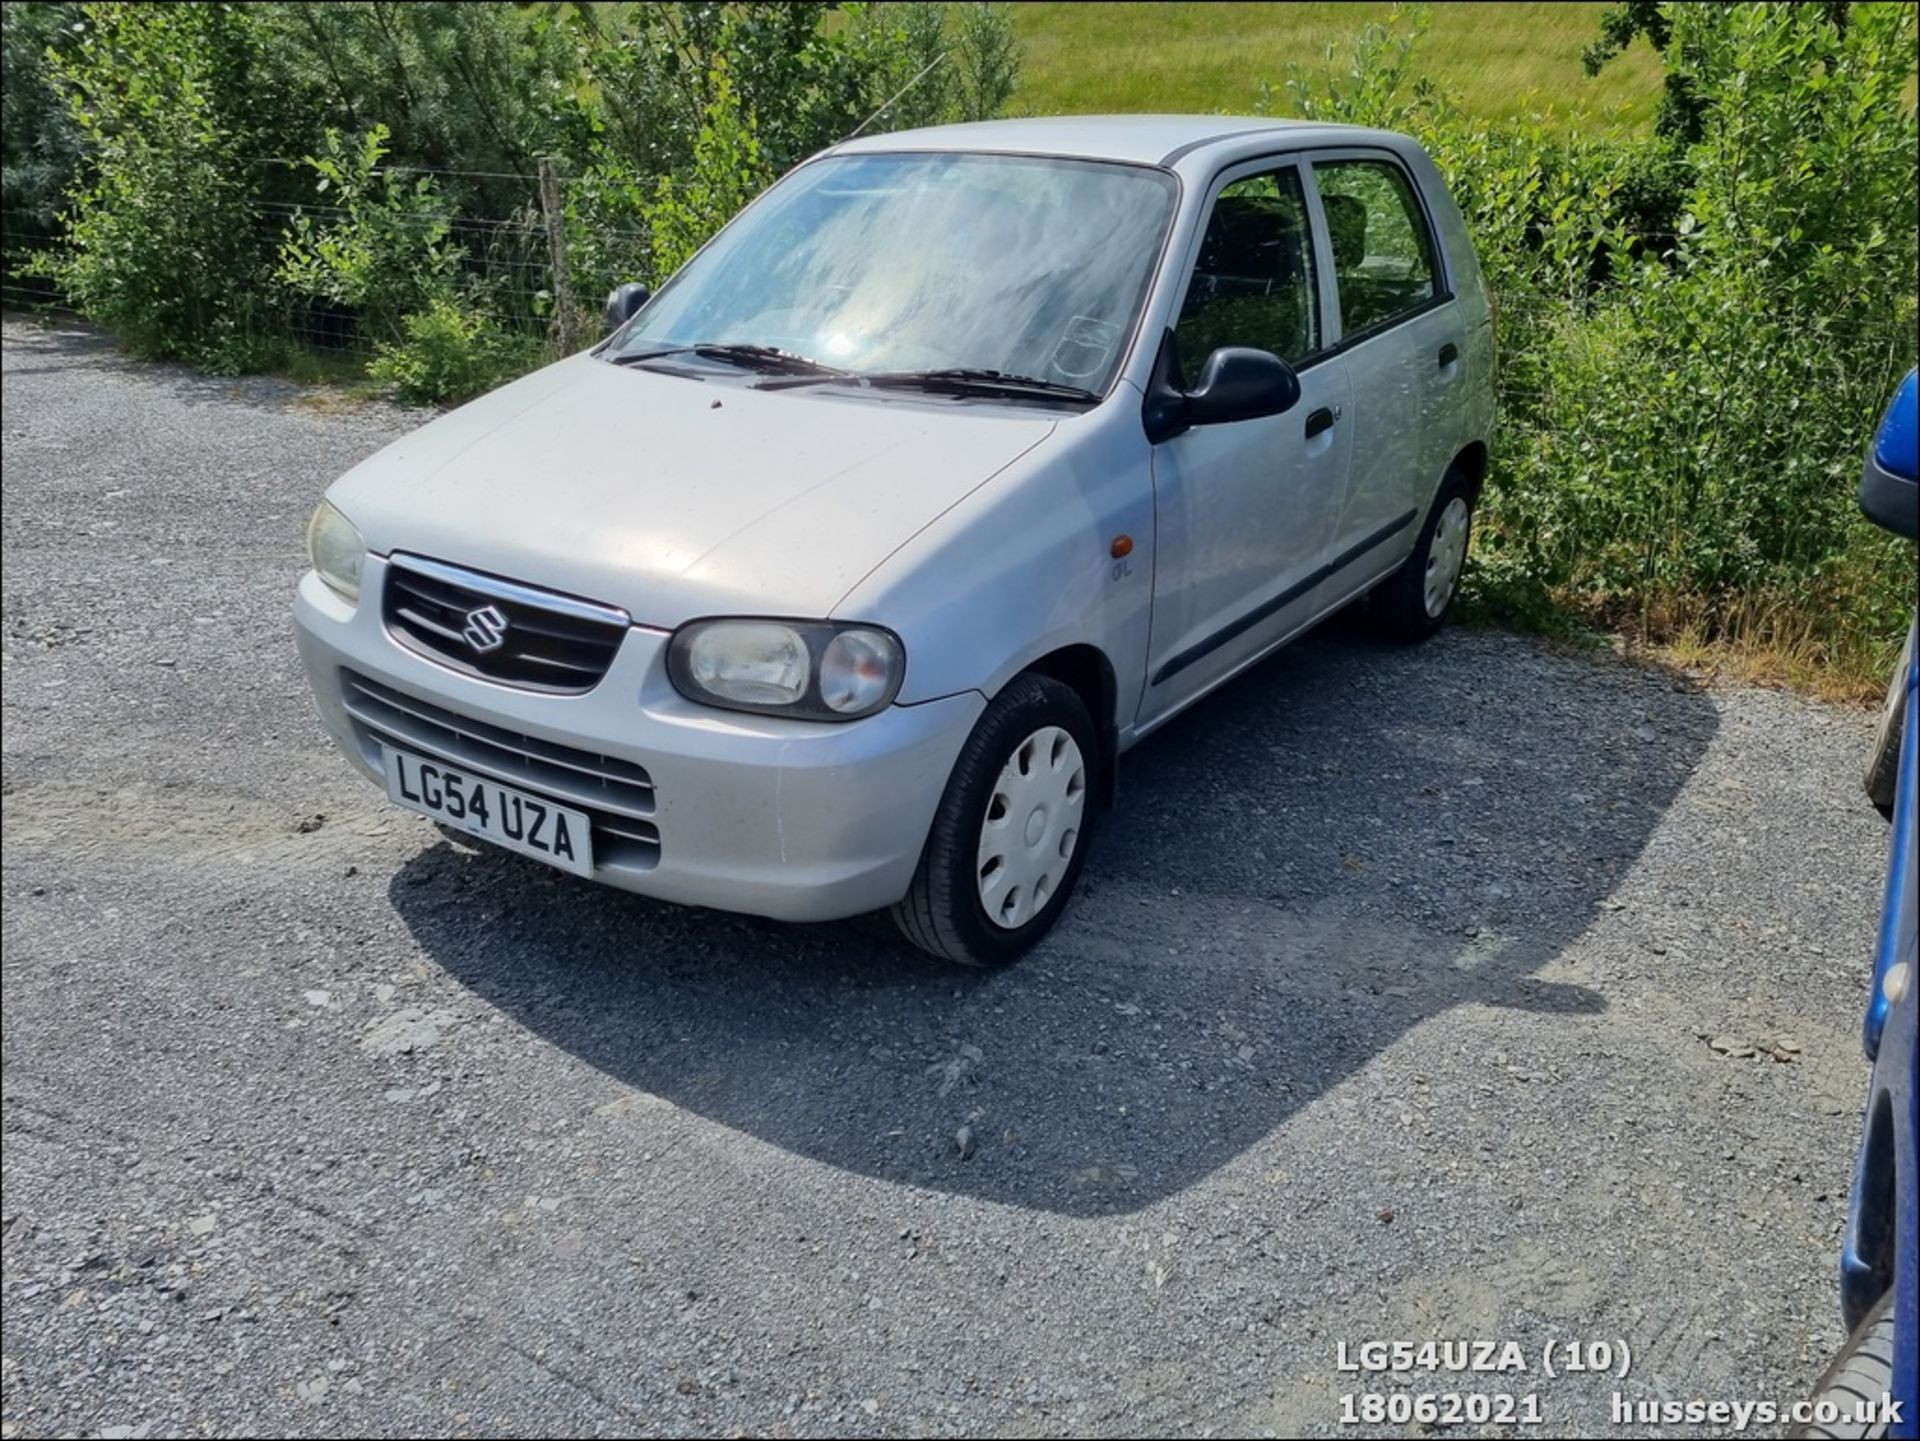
{"x":1011,"y":832}
{"x":1883,"y":765}
{"x":1860,"y":1376}
{"x":1413,"y":603}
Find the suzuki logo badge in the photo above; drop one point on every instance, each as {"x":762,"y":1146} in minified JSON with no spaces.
{"x":486,"y":629}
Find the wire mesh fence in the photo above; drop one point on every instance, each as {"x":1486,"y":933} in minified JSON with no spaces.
{"x":24,"y":292}
{"x":505,"y":266}
{"x":510,"y":257}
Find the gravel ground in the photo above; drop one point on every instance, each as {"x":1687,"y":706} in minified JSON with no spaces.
{"x":1386,"y":1013}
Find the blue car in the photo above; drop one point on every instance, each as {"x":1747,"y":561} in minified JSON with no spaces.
{"x":1879,"y":1294}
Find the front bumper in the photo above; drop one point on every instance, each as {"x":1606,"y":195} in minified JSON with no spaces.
{"x":795,"y":820}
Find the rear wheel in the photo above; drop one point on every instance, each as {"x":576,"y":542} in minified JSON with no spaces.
{"x":1413,"y":603}
{"x":1011,"y":832}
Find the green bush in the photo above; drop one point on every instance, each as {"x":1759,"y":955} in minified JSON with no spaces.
{"x":240,"y":342}
{"x":1696,"y":327}
{"x":162,"y":241}
{"x":385,"y":253}
{"x":986,"y":61}
{"x":1696,"y":331}
{"x":40,"y":144}
{"x":450,"y":352}
{"x":170,"y":130}
{"x":726,"y":171}
{"x":694,"y":109}
{"x":474,"y":88}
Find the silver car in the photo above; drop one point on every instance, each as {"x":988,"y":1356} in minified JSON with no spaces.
{"x":842,"y":574}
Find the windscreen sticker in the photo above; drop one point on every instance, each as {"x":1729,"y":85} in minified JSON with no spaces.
{"x":1084,"y":346}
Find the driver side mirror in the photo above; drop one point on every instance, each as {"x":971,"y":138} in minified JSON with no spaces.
{"x":1240,"y":383}
{"x":623,"y":301}
{"x":1236,"y":383}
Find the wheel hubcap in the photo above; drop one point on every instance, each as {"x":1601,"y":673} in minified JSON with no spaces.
{"x":1445,"y":556}
{"x":1032,"y":827}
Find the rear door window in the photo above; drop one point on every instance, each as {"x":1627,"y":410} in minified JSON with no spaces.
{"x":1383,"y":265}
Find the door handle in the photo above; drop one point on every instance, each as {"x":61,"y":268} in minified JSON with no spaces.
{"x":1321,"y":419}
{"x":1448,"y":354}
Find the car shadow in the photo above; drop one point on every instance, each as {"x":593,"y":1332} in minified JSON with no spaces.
{"x":1348,"y":840}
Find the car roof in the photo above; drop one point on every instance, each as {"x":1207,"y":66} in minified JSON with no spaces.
{"x":1138,"y":139}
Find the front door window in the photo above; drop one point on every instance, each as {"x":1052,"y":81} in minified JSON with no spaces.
{"x":1253,"y":283}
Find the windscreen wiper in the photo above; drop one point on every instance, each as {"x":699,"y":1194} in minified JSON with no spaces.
{"x":959,"y":380}
{"x":768,"y":358}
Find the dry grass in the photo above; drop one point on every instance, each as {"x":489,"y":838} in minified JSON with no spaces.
{"x":1777,"y":661}
{"x":1776,"y":645}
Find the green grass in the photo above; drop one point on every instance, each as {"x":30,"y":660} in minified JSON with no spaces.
{"x":1498,"y":60}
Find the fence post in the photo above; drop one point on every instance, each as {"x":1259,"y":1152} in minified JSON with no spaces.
{"x":564,"y":308}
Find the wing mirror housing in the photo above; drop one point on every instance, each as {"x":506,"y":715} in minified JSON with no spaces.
{"x":623,"y":301}
{"x":1237,"y":383}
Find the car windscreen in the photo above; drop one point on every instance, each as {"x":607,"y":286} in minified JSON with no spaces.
{"x":909,"y":262}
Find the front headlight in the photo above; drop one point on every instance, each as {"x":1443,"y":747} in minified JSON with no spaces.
{"x":814,"y":670}
{"x":336,"y":549}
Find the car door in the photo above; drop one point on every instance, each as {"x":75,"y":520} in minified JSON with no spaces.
{"x":1401,"y":336}
{"x":1245,"y":512}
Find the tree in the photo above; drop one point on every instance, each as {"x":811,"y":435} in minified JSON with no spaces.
{"x":40,"y":144}
{"x":1680,"y":113}
{"x":163,"y":240}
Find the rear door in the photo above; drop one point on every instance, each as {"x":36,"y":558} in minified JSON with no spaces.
{"x":1402,"y":337}
{"x":1245,"y":512}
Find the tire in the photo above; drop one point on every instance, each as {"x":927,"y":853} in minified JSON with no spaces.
{"x":1402,"y":606}
{"x":1033,"y":751}
{"x":1863,"y":1371}
{"x":1883,"y":766}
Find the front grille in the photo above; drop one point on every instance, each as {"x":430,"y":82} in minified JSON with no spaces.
{"x":616,"y":794}
{"x":547,"y":641}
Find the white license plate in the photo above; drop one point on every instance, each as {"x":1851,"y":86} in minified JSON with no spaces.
{"x":528,"y":824}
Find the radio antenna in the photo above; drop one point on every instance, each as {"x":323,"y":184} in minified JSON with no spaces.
{"x":925,"y":70}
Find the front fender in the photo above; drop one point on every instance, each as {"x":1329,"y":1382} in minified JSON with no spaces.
{"x":1024,"y":566}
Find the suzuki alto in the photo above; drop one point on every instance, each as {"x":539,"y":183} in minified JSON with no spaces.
{"x":841,"y":575}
